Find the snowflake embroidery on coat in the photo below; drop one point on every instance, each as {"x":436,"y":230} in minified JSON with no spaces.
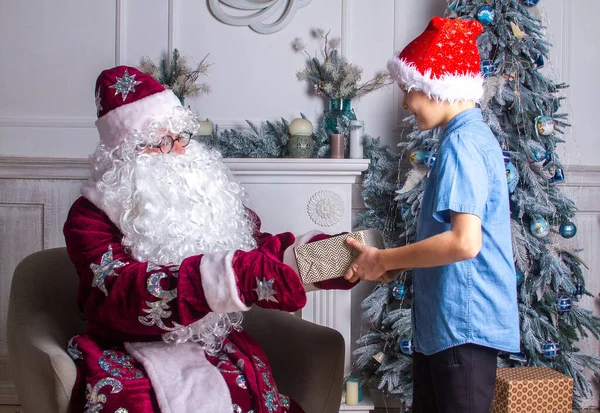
{"x":73,"y":351}
{"x":95,"y":400}
{"x":105,"y":269}
{"x":158,"y":310}
{"x":271,"y":396}
{"x":265,"y":291}
{"x":119,"y":364}
{"x":226,"y":366}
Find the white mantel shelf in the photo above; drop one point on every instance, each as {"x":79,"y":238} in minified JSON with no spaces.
{"x":246,"y":169}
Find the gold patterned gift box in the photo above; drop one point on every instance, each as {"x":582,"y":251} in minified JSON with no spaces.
{"x":532,"y":390}
{"x":330,"y":258}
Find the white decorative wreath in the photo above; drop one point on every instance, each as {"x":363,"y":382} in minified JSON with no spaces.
{"x":325,"y":208}
{"x":254,"y":13}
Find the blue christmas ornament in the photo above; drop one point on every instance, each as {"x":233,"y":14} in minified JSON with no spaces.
{"x":506,"y":156}
{"x":486,"y":15}
{"x":404,"y":211}
{"x":544,"y":125}
{"x":406,"y":346}
{"x":399,"y":291}
{"x":539,"y":227}
{"x":563,"y":304}
{"x":530,"y":3}
{"x":550,"y":350}
{"x":512,"y":177}
{"x":539,"y":155}
{"x":568,"y":229}
{"x":430,"y":158}
{"x":549,"y":159}
{"x":555,"y":104}
{"x":578,"y":293}
{"x":416,"y":157}
{"x":488,"y":68}
{"x":520,"y":357}
{"x":559,"y":176}
{"x":539,"y":61}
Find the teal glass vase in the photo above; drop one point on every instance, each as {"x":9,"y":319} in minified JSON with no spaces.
{"x":340,"y":111}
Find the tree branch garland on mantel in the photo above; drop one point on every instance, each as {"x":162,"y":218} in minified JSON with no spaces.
{"x":270,"y":139}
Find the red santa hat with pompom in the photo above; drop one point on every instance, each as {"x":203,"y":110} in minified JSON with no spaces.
{"x":126,"y":100}
{"x":443,"y":61}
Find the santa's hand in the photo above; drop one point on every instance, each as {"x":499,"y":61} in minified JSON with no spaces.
{"x":367,"y":266}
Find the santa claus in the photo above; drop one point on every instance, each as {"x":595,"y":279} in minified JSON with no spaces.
{"x":169,"y":258}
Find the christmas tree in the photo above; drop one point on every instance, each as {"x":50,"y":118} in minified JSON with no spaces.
{"x":523,"y":108}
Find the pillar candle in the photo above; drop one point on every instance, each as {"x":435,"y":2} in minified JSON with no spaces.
{"x":337,"y":145}
{"x":301,"y":126}
{"x":351,"y":392}
{"x":355,"y":141}
{"x":205,"y":128}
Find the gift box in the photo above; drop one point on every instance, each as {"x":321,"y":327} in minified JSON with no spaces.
{"x":532,"y":389}
{"x":330,"y":258}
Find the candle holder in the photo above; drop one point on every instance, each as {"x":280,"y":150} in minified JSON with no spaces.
{"x":337,"y":145}
{"x":301,"y":143}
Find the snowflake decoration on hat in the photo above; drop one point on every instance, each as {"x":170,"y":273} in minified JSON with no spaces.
{"x":125,"y":85}
{"x":98,"y":99}
{"x":264,"y":290}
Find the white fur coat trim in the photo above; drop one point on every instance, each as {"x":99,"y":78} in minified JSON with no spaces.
{"x":91,"y":193}
{"x":448,"y":87}
{"x":219,"y":284}
{"x":121,"y":122}
{"x":182,"y":379}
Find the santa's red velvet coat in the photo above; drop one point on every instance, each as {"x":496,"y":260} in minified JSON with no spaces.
{"x":124,"y":300}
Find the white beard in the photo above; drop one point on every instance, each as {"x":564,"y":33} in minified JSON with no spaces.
{"x":173,"y":206}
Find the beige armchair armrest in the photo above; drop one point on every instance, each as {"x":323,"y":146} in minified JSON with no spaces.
{"x":307,"y":359}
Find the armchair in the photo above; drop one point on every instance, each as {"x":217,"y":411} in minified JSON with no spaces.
{"x":307,"y":359}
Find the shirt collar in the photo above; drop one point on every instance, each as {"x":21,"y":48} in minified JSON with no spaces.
{"x":469,"y":115}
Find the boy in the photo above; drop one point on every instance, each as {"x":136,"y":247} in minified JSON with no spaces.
{"x":464,"y":305}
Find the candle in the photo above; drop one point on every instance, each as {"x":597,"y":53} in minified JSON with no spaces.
{"x":205,"y":128}
{"x":337,"y":145}
{"x":301,"y":126}
{"x":352,"y":391}
{"x":356,"y":133}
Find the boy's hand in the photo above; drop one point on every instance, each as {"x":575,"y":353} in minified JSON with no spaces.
{"x":367,"y":266}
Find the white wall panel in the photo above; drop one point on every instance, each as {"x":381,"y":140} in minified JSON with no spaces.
{"x":253,"y":75}
{"x":51,"y":55}
{"x":145,"y":30}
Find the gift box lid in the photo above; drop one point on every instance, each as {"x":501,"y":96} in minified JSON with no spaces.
{"x":529,"y":374}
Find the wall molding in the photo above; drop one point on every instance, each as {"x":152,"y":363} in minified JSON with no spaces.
{"x":120,"y":31}
{"x":54,"y":122}
{"x":15,"y":167}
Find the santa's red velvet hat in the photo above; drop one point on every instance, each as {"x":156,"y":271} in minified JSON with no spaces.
{"x":442,"y":62}
{"x":126,"y":99}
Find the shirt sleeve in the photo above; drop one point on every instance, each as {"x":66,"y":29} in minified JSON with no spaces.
{"x":462,"y":179}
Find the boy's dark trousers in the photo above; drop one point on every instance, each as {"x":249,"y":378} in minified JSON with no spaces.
{"x":460,"y":379}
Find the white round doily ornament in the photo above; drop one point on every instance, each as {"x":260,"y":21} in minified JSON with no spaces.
{"x":325,"y":208}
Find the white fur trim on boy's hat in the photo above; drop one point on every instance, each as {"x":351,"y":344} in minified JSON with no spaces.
{"x":122,"y":121}
{"x":448,"y":87}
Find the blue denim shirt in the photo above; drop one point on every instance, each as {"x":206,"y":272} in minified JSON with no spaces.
{"x":471,"y":301}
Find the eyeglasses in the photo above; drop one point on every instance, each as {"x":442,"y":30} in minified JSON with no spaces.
{"x":166,"y":142}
